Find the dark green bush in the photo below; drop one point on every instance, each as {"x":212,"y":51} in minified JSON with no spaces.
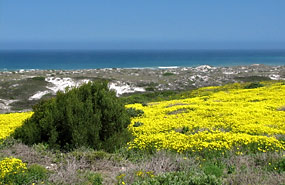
{"x":150,"y":89}
{"x":135,"y":112}
{"x":85,"y":116}
{"x":168,"y":74}
{"x":253,"y":85}
{"x":137,"y":124}
{"x":39,"y":78}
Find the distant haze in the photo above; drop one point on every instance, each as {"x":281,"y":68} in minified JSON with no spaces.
{"x":139,"y":45}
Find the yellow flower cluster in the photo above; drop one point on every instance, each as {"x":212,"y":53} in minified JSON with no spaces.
{"x":145,"y":174}
{"x":9,"y":122}
{"x":217,"y":118}
{"x":11,"y":166}
{"x":120,"y":178}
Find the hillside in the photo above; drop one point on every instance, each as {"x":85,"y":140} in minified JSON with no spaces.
{"x":231,"y":134}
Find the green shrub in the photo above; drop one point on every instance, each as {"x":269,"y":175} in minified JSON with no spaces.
{"x":277,"y":166}
{"x":7,"y":142}
{"x":280,"y":166}
{"x":93,"y":178}
{"x":180,"y":178}
{"x":212,"y":169}
{"x":185,"y":129}
{"x":39,"y":78}
{"x":253,"y":85}
{"x":117,"y":140}
{"x":134,"y":112}
{"x":37,"y":173}
{"x":168,"y":74}
{"x":150,"y":89}
{"x":85,"y":116}
{"x":137,"y":124}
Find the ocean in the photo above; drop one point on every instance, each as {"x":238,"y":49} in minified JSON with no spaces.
{"x":68,"y":60}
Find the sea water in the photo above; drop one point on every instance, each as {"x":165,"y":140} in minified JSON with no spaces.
{"x":15,"y":60}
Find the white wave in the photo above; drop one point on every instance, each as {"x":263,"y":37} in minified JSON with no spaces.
{"x":167,"y":67}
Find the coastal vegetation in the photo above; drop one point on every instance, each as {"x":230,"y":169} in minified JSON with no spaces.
{"x":20,"y":90}
{"x":230,"y":134}
{"x":168,"y":74}
{"x":235,"y":118}
{"x":87,"y":116}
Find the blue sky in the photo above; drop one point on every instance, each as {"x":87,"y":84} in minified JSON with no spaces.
{"x":142,"y":24}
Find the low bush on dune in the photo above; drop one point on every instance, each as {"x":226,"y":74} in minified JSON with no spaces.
{"x":89,"y":116}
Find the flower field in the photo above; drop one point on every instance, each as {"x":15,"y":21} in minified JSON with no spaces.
{"x":9,"y":122}
{"x":219,"y":135}
{"x":215,"y":119}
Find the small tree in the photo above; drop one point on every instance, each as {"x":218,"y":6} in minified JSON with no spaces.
{"x":85,"y":116}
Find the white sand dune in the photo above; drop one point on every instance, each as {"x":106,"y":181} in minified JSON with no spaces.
{"x":60,"y":84}
{"x":38,"y":95}
{"x":275,"y":77}
{"x":57,"y":84}
{"x":5,"y":104}
{"x":122,"y":88}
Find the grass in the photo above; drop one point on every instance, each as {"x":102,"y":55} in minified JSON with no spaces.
{"x":86,"y":166}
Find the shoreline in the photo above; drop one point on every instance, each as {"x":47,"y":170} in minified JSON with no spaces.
{"x":20,"y":70}
{"x":19,"y":90}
